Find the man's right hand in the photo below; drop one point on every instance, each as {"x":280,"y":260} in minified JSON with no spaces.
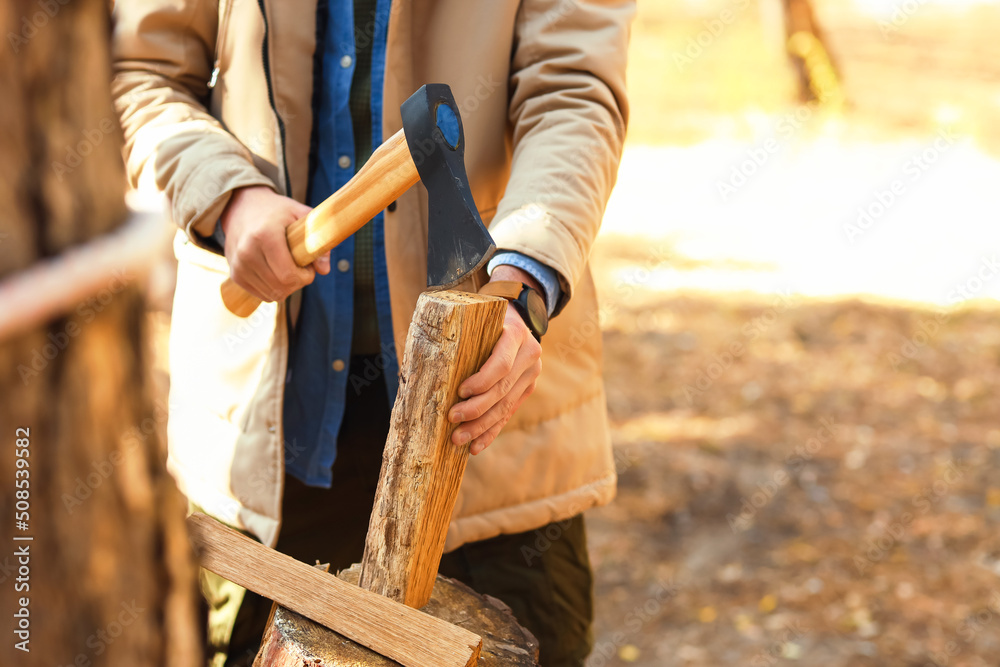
{"x":254,"y":222}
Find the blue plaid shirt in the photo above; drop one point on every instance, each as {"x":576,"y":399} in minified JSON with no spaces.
{"x":320,"y":351}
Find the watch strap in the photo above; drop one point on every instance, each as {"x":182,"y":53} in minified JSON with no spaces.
{"x":508,"y":289}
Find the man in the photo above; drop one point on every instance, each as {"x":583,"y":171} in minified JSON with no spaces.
{"x":245,"y":115}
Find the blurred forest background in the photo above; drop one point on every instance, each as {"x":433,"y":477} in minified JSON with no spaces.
{"x":802,"y":363}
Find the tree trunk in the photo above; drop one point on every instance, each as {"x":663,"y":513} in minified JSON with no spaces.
{"x":102,"y":572}
{"x":808,"y":49}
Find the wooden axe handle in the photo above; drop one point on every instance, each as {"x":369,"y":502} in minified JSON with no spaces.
{"x":388,"y":174}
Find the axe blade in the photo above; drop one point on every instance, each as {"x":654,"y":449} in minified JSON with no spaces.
{"x":458,"y":244}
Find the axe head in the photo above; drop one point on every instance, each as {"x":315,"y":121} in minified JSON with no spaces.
{"x":458,"y":243}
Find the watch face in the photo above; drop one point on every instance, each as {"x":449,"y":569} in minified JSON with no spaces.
{"x":537,"y":312}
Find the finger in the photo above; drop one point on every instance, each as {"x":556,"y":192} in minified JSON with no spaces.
{"x":250,"y":271}
{"x":500,"y":364}
{"x":527,"y":354}
{"x":322,"y":264}
{"x":478,"y":405}
{"x":486,"y":439}
{"x":288,"y":275}
{"x":502,"y":410}
{"x":297,"y":211}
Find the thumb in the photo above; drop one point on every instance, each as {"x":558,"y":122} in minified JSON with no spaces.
{"x":322,"y":264}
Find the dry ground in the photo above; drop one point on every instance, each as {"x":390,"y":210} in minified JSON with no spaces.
{"x":742,"y":533}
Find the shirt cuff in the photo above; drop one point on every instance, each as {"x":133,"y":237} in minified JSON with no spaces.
{"x":547,"y":277}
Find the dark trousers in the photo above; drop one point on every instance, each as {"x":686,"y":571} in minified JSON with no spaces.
{"x":544,"y":575}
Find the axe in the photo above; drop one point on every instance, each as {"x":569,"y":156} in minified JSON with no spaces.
{"x":431,"y":148}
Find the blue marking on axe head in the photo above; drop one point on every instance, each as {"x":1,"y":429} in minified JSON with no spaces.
{"x":458,"y":244}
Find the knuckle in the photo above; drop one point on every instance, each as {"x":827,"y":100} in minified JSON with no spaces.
{"x":258,"y":237}
{"x":244,"y":251}
{"x":287,"y":276}
{"x":505,"y":385}
{"x":508,"y":362}
{"x":478,"y":430}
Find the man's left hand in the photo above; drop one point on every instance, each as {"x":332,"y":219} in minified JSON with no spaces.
{"x":492,"y":395}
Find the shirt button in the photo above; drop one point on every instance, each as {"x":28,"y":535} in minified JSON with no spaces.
{"x":391,"y":207}
{"x":338,"y":365}
{"x":271,"y":429}
{"x":344,"y":161}
{"x":346,"y":61}
{"x":343,"y":265}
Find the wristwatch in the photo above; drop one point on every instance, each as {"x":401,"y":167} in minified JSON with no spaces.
{"x":530,"y":305}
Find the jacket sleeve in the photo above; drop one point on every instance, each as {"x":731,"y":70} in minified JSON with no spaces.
{"x":162,"y":60}
{"x":568,"y":111}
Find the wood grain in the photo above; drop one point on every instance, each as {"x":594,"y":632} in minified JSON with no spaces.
{"x":387,"y":174}
{"x":407,"y":636}
{"x":291,"y":640}
{"x":451,"y":335}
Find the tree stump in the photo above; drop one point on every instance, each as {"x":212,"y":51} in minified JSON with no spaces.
{"x":293,"y":640}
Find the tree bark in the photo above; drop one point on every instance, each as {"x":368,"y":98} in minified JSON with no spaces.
{"x":108,"y":577}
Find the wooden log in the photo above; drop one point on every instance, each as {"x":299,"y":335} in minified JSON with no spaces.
{"x":106,"y":573}
{"x":451,"y":335}
{"x":406,"y":635}
{"x":291,"y":640}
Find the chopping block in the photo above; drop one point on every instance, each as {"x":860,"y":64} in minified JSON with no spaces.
{"x":367,"y":615}
{"x":292,"y":640}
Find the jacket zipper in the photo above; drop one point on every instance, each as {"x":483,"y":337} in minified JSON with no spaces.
{"x":220,"y":34}
{"x":270,"y":97}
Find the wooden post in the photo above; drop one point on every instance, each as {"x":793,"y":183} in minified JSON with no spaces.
{"x":107,"y":574}
{"x":451,"y":335}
